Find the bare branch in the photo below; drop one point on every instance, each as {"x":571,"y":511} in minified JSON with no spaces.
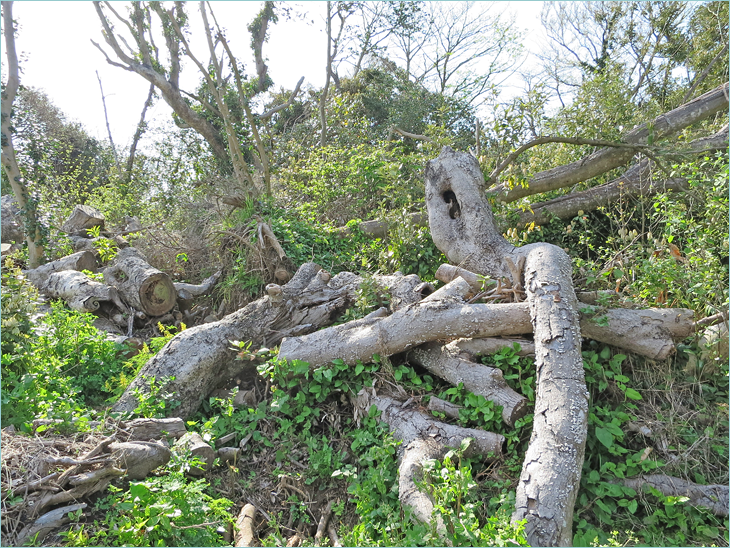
{"x":277,"y":108}
{"x":412,"y":135}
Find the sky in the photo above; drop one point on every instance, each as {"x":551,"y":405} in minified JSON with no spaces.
{"x":56,"y":55}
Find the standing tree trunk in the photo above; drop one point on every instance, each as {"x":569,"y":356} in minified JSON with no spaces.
{"x":325,"y":90}
{"x":462,"y":227}
{"x":28,"y":206}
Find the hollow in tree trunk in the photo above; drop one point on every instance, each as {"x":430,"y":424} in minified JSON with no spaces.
{"x":462,"y":227}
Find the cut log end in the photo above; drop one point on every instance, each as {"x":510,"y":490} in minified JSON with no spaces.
{"x":157,"y":294}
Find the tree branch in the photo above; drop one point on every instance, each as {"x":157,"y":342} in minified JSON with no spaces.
{"x":277,"y":108}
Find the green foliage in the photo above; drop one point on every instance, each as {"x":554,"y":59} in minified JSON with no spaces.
{"x":449,"y":482}
{"x":410,"y":248}
{"x":170,"y":510}
{"x":60,"y":370}
{"x":604,"y":506}
{"x":106,"y":248}
{"x":341,"y":184}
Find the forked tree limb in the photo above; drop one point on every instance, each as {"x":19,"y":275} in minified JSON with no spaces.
{"x":462,"y":227}
{"x":423,"y":438}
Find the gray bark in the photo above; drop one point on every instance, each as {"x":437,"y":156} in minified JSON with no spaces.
{"x":713,"y":497}
{"x":648,"y":332}
{"x":462,"y":227}
{"x":139,"y":458}
{"x":448,"y":364}
{"x":200,"y":289}
{"x":82,"y":260}
{"x":82,"y":218}
{"x":154,"y":429}
{"x":193,"y":442}
{"x":201,"y":356}
{"x":423,"y":438}
{"x":449,"y":409}
{"x":406,"y":328}
{"x":143,"y":287}
{"x":40,"y":528}
{"x":485,"y":347}
{"x":636,"y":181}
{"x":79,"y":291}
{"x":12,"y":228}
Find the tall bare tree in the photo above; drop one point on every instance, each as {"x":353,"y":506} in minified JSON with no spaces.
{"x":220,"y":123}
{"x":28,"y":205}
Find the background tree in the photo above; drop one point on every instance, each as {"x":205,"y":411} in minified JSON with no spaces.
{"x":34,"y":231}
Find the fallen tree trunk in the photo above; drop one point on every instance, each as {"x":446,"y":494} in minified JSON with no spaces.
{"x":201,"y":357}
{"x":648,"y":332}
{"x":713,"y":497}
{"x":463,"y":228}
{"x":144,"y":287}
{"x":83,"y":260}
{"x":244,"y":534}
{"x":406,"y":328}
{"x":79,"y":291}
{"x":41,"y":527}
{"x":636,"y":181}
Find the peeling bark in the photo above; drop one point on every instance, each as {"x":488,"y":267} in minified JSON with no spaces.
{"x":200,"y":357}
{"x":79,"y":291}
{"x":83,"y":260}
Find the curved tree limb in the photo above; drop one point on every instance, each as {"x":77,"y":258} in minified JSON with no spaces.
{"x":462,"y":227}
{"x":606,"y":159}
{"x":713,"y":497}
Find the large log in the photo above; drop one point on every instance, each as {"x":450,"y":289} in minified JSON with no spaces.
{"x":201,"y":357}
{"x":406,"y":328}
{"x":82,"y":260}
{"x":79,"y":291}
{"x":463,"y":228}
{"x":648,"y":332}
{"x":143,"y":287}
